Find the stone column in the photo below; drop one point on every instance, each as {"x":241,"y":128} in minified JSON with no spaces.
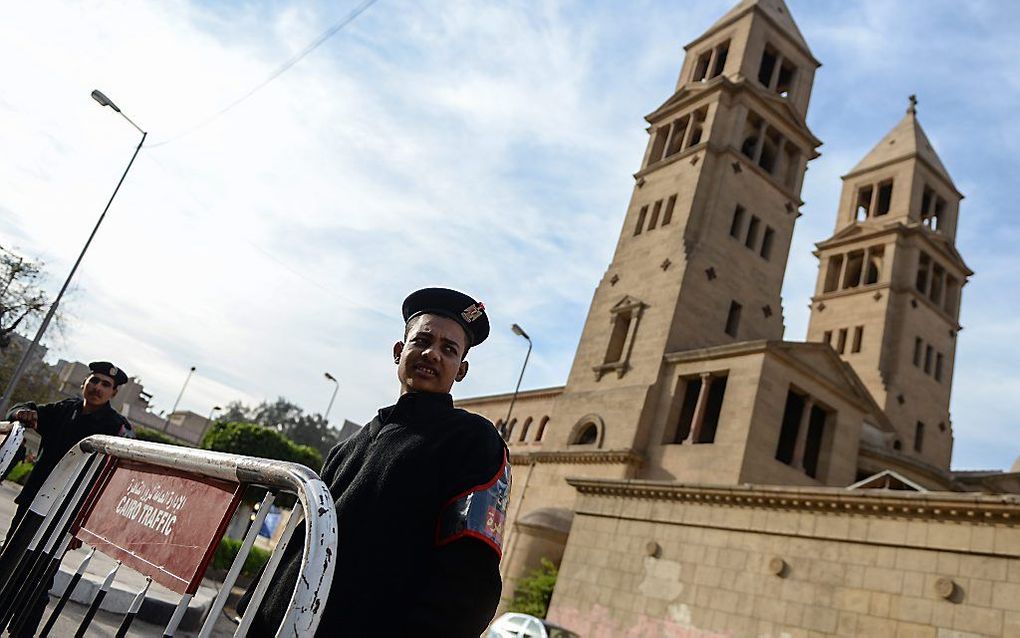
{"x":699,"y":408}
{"x":802,"y":430}
{"x":774,"y":79}
{"x":760,"y":143}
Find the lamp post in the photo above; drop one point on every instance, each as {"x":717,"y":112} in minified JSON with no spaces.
{"x":213,"y":411}
{"x":179,"y":395}
{"x":520,"y":332}
{"x":335,"y":390}
{"x":27,"y":354}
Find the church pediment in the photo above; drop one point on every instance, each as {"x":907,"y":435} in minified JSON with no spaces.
{"x":627,"y":303}
{"x":826,"y":365}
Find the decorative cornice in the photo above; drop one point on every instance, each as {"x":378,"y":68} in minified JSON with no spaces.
{"x":942,"y":506}
{"x":541,"y":393}
{"x":587,"y":456}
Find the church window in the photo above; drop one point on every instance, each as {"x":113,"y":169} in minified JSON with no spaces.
{"x":918,"y":347}
{"x":841,"y":341}
{"x":813,"y":445}
{"x":923,"y":266}
{"x":863,"y":207}
{"x":874,"y":271}
{"x":510,"y":429}
{"x":700,"y":408}
{"x":738,"y":221}
{"x":827,"y":337}
{"x":541,"y":428}
{"x":855,"y":346}
{"x":618,"y":338}
{"x":658,"y":144}
{"x":524,"y":430}
{"x":752,"y":232}
{"x":691,"y":391}
{"x":586,"y":435}
{"x":697,"y":126}
{"x":753,"y":130}
{"x":854,"y":266}
{"x":721,"y":53}
{"x":952,"y":293}
{"x":655,"y":215}
{"x":932,"y":209}
{"x":667,"y":215}
{"x":702,"y":66}
{"x":769,"y":57}
{"x":884,"y":198}
{"x":766,"y":242}
{"x":938,"y":276}
{"x":716,"y":393}
{"x":640,"y":220}
{"x":918,"y":436}
{"x":897,"y":445}
{"x":938,"y":366}
{"x":928,"y":356}
{"x":770,"y":149}
{"x":795,"y":404}
{"x":784,"y":83}
{"x":792,"y":164}
{"x":733,"y":319}
{"x":832,"y":273}
{"x":500,"y":428}
{"x":676,"y":135}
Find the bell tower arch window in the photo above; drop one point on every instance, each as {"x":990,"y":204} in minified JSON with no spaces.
{"x":624,"y":318}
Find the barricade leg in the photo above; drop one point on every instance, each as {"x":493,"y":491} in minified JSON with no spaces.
{"x":96,"y":602}
{"x":67,"y":593}
{"x":175,"y":620}
{"x":136,"y":604}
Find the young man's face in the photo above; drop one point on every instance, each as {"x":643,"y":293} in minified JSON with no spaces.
{"x":98,"y":389}
{"x":431,"y":357}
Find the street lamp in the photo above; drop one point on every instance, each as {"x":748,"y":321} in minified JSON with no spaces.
{"x":335,"y":390}
{"x":215,"y":409}
{"x":520,"y":332}
{"x":179,"y":395}
{"x":27,"y":354}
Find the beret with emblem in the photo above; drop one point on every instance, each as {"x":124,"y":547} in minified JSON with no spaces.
{"x":470,"y":314}
{"x":110,"y":370}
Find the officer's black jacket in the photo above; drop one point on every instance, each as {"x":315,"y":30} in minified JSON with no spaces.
{"x":390,"y":482}
{"x":61,"y":426}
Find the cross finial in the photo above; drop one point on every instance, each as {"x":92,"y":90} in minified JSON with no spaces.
{"x":913,"y":104}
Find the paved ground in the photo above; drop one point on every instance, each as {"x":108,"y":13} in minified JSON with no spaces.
{"x":105,"y":624}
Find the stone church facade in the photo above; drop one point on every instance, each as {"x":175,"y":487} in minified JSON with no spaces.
{"x":697,"y":474}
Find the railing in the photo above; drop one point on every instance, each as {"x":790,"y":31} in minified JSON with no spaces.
{"x":141,"y":503}
{"x":11,"y":444}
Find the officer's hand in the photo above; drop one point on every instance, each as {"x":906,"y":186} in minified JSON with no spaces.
{"x":28,"y":418}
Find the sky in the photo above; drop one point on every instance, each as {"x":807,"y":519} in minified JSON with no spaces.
{"x":483,"y":146}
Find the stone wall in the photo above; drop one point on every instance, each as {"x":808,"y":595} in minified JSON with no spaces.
{"x":657,"y":559}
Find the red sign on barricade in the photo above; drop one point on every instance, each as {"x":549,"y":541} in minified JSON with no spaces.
{"x":162,"y":523}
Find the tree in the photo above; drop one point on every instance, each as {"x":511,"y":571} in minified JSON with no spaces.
{"x":535,"y":590}
{"x":22,"y":299}
{"x":38,"y":383}
{"x":252,"y":439}
{"x":288,"y":419}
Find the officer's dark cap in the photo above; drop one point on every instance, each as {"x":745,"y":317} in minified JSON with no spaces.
{"x":470,"y":314}
{"x":110,"y":370}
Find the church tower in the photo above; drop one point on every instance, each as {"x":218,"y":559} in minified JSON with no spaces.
{"x":703,"y":250}
{"x":889,"y":281}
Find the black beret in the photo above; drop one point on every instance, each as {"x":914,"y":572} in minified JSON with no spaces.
{"x":110,"y":370}
{"x":470,"y":314}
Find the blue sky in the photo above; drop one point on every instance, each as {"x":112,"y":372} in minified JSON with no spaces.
{"x":486,"y":146}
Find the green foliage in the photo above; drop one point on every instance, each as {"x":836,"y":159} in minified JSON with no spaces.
{"x":19,"y":473}
{"x":145,"y":434}
{"x":255,"y":440}
{"x":227,"y":551}
{"x":288,"y":419}
{"x":535,"y":591}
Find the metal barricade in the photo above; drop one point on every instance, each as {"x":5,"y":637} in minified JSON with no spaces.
{"x":11,"y":444}
{"x":161,"y":510}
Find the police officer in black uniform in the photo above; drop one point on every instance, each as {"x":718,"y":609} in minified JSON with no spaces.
{"x":421,"y":494}
{"x":63,"y":424}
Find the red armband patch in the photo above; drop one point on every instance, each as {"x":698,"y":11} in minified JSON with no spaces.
{"x":480,"y":512}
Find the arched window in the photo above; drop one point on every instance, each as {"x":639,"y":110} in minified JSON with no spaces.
{"x":589,"y":430}
{"x":524,"y":430}
{"x":501,"y":428}
{"x":510,"y":429}
{"x":588,"y":434}
{"x":541,"y":428}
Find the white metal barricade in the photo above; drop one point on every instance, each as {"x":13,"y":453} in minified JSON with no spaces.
{"x":11,"y":445}
{"x":118,"y":495}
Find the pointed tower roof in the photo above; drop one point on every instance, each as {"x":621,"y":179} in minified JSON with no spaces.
{"x":905,"y":140}
{"x":776,"y":11}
